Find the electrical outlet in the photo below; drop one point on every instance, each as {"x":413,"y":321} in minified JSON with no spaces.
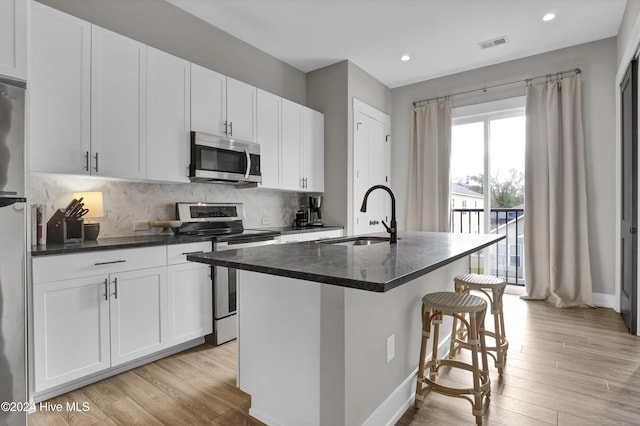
{"x":265,"y":220}
{"x":141,"y":225}
{"x":391,"y":347}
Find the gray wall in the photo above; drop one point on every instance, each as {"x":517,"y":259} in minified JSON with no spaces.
{"x":598,"y":63}
{"x":168,"y":28}
{"x":331,"y":90}
{"x":327,"y":92}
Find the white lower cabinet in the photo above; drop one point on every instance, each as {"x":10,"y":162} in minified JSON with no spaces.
{"x":190,"y":310}
{"x":133,"y":303}
{"x":71,"y":330}
{"x":137,"y":309}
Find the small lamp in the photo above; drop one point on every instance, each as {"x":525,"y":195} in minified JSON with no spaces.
{"x":92,"y":202}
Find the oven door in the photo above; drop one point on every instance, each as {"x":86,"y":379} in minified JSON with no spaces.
{"x":215,"y":159}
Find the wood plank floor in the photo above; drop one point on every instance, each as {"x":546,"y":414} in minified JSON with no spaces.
{"x":565,"y":367}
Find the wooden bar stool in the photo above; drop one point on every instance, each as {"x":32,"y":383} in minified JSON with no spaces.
{"x":459,"y":306}
{"x":493,"y":288}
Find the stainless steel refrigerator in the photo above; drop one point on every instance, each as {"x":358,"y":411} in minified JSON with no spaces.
{"x":13,"y":238}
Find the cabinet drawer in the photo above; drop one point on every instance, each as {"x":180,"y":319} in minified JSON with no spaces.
{"x":69,"y":266}
{"x":177,"y":253}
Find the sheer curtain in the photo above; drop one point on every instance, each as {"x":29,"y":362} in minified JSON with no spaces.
{"x":428,"y":204}
{"x":555,"y":220}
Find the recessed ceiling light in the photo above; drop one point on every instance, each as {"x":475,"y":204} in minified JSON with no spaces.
{"x":549,"y":17}
{"x":405,"y":58}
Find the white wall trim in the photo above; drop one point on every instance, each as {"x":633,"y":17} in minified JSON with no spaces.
{"x":603,"y":300}
{"x":396,"y":404}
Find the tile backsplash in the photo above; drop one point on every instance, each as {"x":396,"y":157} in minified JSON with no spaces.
{"x":128,"y":202}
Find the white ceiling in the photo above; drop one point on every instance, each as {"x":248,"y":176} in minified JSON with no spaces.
{"x":441,"y":36}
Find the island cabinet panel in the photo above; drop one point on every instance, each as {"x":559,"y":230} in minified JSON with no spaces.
{"x":71,"y":330}
{"x":138,"y":314}
{"x":60,"y":90}
{"x":118,"y":105}
{"x":13,"y":38}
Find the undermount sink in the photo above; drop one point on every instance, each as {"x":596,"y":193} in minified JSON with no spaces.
{"x":355,"y":241}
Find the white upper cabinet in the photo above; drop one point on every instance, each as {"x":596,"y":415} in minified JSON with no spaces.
{"x":221,"y":105}
{"x":13,"y":38}
{"x":268,"y":136}
{"x":60,"y":91}
{"x":291,"y":160}
{"x":302,"y":155}
{"x":208,"y":101}
{"x":168,"y":115}
{"x":241,"y":110}
{"x":118,"y":105}
{"x":313,"y":150}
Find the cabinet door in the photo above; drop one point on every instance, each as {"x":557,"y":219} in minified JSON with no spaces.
{"x":291,"y":143}
{"x":313,"y":150}
{"x":241,"y":110}
{"x":71,"y":330}
{"x":13,"y":38}
{"x":268,"y":136}
{"x":208,"y":101}
{"x":118,"y":110}
{"x":190,"y":311}
{"x":168,"y":112}
{"x":138,"y":313}
{"x":59,"y":85}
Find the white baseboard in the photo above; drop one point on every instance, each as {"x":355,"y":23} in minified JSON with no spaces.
{"x":263,"y":417}
{"x":402,"y":397}
{"x":604,"y":300}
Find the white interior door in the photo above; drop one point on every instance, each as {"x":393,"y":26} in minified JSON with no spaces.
{"x":371,"y":160}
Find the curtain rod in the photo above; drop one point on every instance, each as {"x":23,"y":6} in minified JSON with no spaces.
{"x":484,"y":89}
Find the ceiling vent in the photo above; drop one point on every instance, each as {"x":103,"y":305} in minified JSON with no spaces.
{"x":493,"y":42}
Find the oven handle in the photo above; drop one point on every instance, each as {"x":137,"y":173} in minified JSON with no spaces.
{"x":227,"y":245}
{"x":246,"y":152}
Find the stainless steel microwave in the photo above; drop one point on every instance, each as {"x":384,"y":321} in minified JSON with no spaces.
{"x":220,"y":160}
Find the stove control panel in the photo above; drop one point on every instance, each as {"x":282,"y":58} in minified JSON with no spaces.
{"x":209,"y":212}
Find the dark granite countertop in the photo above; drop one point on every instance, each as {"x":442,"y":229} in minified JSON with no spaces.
{"x":377,"y":267}
{"x":115,"y":243}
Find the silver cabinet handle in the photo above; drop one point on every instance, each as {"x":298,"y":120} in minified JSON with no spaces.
{"x":115,"y":282}
{"x":109,"y":263}
{"x":192,"y":252}
{"x":96,"y":157}
{"x":106,"y":289}
{"x":225,"y":128}
{"x":86,"y":161}
{"x":246,"y":152}
{"x":231,"y":128}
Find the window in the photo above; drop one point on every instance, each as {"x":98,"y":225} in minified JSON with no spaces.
{"x":514,"y":255}
{"x":487,"y":172}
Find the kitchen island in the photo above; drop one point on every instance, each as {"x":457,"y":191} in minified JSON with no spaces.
{"x":329,"y":333}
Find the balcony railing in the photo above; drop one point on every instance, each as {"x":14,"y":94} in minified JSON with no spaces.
{"x":504,"y":259}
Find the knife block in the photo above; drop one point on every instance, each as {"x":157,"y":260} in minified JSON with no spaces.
{"x":61,"y":229}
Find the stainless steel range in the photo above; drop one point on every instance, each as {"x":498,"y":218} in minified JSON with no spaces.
{"x":223,"y":222}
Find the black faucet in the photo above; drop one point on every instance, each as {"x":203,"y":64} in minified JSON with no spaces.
{"x":393,"y":229}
